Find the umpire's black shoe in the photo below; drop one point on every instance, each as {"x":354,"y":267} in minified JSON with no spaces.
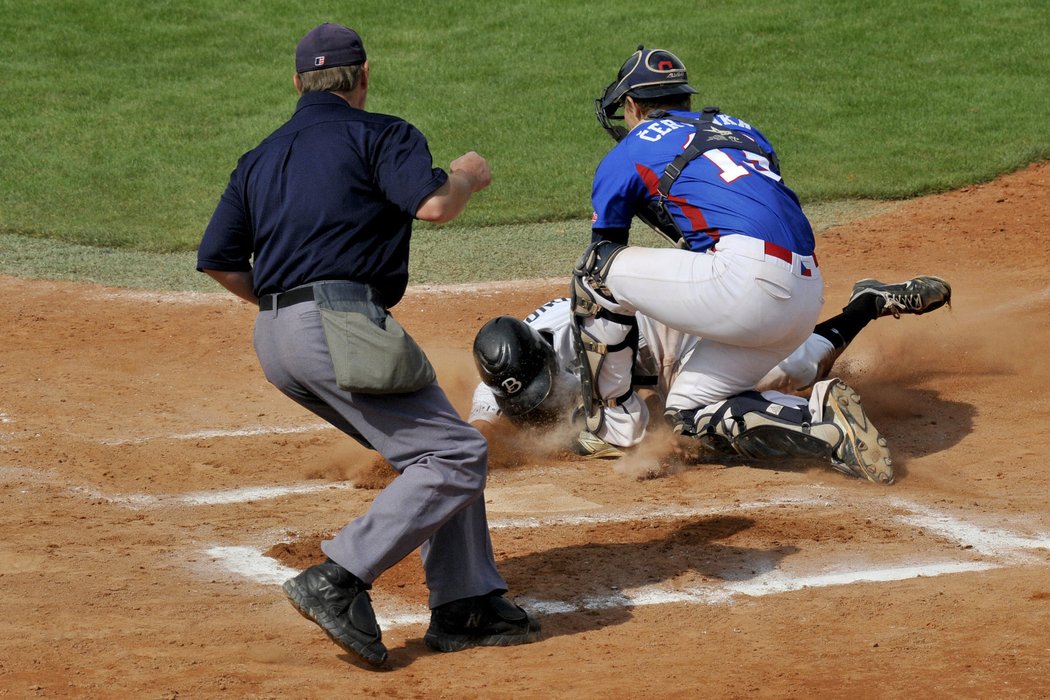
{"x":338,"y":601}
{"x":487,"y":621}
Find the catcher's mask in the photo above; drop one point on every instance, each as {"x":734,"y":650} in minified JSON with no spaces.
{"x":515,"y":362}
{"x":647,"y":74}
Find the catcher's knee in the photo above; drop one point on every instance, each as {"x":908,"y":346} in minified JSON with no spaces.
{"x":589,"y":277}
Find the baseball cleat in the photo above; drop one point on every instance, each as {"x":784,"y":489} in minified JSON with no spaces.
{"x":587,"y":444}
{"x":862,"y":453}
{"x":918,"y":295}
{"x":337,"y":601}
{"x":487,"y":620}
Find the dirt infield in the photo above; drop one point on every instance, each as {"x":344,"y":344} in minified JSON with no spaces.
{"x":154,"y":490}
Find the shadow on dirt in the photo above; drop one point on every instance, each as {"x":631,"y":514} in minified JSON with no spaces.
{"x":917,"y":422}
{"x":584,"y":586}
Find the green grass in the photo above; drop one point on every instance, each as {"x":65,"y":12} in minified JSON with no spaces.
{"x":121,"y":121}
{"x":440,"y":255}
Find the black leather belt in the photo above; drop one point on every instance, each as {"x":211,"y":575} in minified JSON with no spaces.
{"x":294,"y":296}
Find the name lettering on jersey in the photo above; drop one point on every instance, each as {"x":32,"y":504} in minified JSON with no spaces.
{"x":511,"y":385}
{"x":726,"y":120}
{"x":657,"y":130}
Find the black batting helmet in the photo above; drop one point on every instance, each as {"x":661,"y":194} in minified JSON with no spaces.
{"x":515,"y":362}
{"x":647,"y":74}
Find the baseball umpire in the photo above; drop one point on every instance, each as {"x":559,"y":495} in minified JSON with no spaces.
{"x":743,"y":278}
{"x":314,"y":227}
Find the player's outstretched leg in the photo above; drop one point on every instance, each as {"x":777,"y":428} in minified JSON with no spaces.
{"x":863,"y":452}
{"x":918,"y":295}
{"x":338,"y":602}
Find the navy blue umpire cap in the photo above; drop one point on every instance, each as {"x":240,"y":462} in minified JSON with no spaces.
{"x":329,"y":45}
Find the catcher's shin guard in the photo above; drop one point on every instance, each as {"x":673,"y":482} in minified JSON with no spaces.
{"x":757,"y":428}
{"x":594,"y":341}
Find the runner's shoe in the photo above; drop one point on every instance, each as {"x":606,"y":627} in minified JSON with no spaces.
{"x":918,"y":295}
{"x":862,"y":453}
{"x":338,"y":601}
{"x":587,"y":444}
{"x":487,"y":621}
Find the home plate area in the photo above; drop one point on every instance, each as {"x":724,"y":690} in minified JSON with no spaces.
{"x":597,"y":557}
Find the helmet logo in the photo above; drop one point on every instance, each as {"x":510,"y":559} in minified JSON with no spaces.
{"x":665,"y":65}
{"x":511,"y":385}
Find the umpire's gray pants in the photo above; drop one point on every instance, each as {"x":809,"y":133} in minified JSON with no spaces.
{"x":437,"y":501}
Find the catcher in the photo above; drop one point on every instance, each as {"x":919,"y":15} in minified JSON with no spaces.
{"x":719,"y":312}
{"x":743,"y":278}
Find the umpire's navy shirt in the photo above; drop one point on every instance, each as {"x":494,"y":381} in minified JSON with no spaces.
{"x":330,"y":195}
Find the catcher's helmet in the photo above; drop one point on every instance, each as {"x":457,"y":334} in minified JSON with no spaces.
{"x":515,"y":362}
{"x":647,"y":74}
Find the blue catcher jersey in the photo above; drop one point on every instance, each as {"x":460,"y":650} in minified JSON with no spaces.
{"x":724,"y":191}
